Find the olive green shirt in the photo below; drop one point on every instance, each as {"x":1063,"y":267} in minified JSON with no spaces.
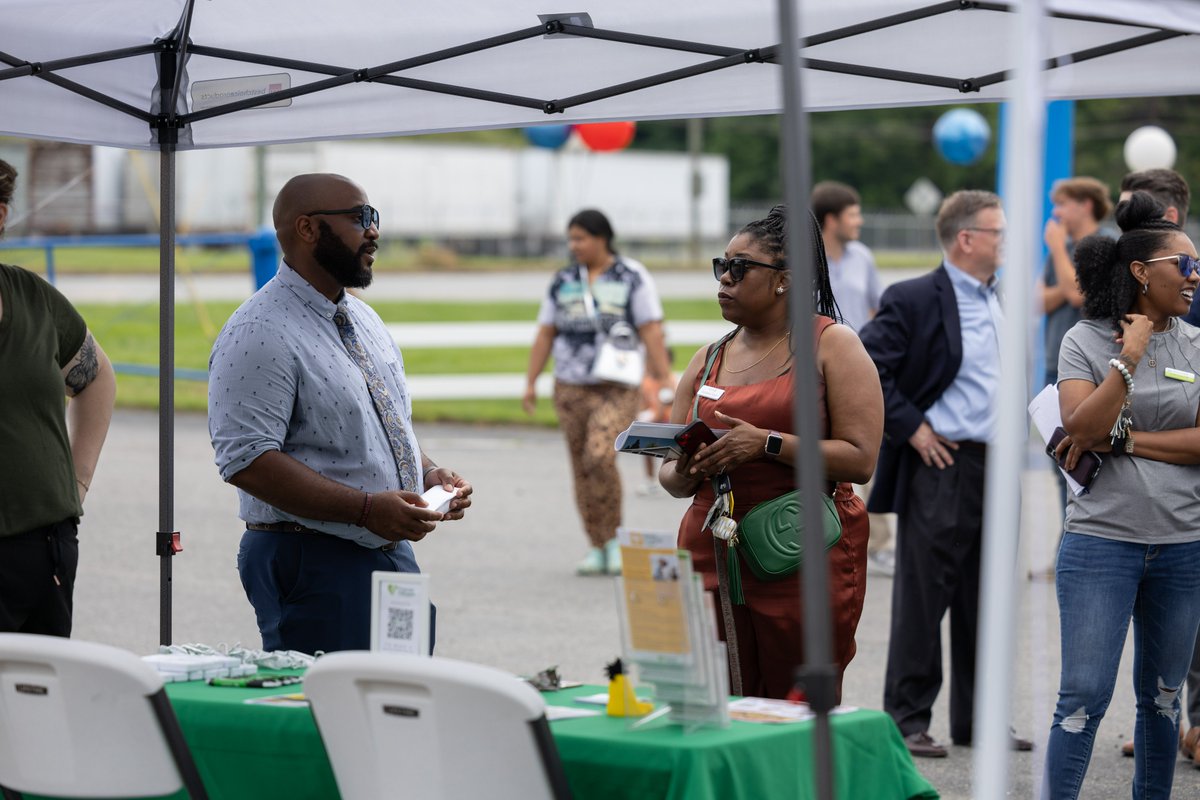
{"x":40,"y":332}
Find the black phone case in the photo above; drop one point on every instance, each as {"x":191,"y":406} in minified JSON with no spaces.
{"x":695,"y":434}
{"x":1089,"y":462}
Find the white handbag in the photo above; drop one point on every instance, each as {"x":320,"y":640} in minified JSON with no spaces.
{"x":619,"y":357}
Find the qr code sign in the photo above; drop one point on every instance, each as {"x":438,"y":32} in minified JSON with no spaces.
{"x":400,"y":623}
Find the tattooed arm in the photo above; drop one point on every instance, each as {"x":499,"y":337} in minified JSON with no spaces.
{"x":91,"y":385}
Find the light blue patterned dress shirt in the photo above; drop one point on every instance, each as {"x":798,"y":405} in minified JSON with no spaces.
{"x":967,"y":409}
{"x":280,"y":378}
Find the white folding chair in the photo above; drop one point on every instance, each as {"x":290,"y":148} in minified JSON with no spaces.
{"x":79,"y":719}
{"x":395,"y":725}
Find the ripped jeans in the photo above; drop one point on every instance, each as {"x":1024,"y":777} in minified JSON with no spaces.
{"x":1101,"y":583}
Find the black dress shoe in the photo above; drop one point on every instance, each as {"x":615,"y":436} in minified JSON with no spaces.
{"x":922,"y":745}
{"x":1017,"y":743}
{"x":1014,"y":743}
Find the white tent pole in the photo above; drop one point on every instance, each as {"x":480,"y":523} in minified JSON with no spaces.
{"x":1024,"y":138}
{"x":818,"y":674}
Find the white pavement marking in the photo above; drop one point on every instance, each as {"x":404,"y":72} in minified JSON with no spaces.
{"x":474,"y":387}
{"x":439,"y":335}
{"x":422,"y":286}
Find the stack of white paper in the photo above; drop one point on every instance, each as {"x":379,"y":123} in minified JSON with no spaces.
{"x":178,"y":667}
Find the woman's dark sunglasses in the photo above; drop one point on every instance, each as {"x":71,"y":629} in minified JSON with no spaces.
{"x":1187,"y":264}
{"x":736,"y":267}
{"x":367,"y":215}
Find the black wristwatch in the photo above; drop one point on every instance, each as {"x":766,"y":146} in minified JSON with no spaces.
{"x":774,"y":445}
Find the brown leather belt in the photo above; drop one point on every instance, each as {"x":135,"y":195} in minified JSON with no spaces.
{"x":292,"y":527}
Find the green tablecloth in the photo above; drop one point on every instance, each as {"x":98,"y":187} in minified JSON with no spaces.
{"x":263,"y":752}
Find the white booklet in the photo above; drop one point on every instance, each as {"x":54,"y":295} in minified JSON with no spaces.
{"x":1044,"y":412}
{"x":650,"y":439}
{"x":654,"y":439}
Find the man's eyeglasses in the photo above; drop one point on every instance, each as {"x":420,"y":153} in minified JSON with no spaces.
{"x":998,"y":232}
{"x":1187,"y":264}
{"x":367,"y":215}
{"x":736,"y":267}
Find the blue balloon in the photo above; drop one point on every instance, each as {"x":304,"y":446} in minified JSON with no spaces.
{"x":551,"y":137}
{"x":961,"y":136}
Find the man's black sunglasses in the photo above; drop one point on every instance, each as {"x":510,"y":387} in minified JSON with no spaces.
{"x":367,"y":215}
{"x":736,"y":267}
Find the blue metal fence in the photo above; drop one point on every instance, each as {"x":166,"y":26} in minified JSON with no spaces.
{"x":264,"y":260}
{"x":264,"y":251}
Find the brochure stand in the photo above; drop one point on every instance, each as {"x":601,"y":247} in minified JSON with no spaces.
{"x":400,"y":612}
{"x":669,"y":630}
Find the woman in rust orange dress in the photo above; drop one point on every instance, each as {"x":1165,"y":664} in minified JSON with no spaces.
{"x":749,"y":391}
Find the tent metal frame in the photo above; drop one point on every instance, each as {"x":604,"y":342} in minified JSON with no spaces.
{"x":725,"y":57}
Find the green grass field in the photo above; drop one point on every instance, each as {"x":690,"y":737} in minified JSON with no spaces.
{"x":129,"y":334}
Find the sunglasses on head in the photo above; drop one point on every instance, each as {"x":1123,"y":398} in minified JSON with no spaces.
{"x":1187,"y":264}
{"x":736,"y":267}
{"x":367,"y":215}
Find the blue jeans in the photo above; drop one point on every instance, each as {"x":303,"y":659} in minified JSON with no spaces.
{"x":1100,"y":584}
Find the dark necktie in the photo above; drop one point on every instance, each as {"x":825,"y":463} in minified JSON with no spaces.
{"x":385,"y":407}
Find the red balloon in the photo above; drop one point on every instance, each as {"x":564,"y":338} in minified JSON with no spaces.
{"x":606,"y":136}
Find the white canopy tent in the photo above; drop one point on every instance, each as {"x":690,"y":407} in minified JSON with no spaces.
{"x":381,"y":67}
{"x":180,"y":74}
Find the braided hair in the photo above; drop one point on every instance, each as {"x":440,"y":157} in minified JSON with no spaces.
{"x":770,"y":234}
{"x":1102,"y":266}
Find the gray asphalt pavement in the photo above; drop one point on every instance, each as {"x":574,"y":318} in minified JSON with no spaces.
{"x":504,"y":584}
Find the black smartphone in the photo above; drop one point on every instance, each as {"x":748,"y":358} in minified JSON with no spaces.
{"x":695,"y":434}
{"x":1089,"y":463}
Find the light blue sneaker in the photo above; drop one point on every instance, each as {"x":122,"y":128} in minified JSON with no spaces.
{"x":612,"y":557}
{"x":592,"y":564}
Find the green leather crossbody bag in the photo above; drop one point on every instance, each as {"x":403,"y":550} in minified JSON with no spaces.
{"x":771,"y":536}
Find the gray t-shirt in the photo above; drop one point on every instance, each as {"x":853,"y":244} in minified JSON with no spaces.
{"x":1138,"y":499}
{"x":855,"y":284}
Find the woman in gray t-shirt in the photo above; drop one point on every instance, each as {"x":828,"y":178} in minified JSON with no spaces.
{"x":1131,"y":545}
{"x":586,"y":302}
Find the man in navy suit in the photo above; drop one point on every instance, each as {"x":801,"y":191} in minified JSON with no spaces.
{"x":936,"y":343}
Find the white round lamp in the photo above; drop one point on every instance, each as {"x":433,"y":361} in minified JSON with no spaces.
{"x":1149,"y":147}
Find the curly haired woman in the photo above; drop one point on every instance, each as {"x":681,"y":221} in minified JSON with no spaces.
{"x":1131,"y":545}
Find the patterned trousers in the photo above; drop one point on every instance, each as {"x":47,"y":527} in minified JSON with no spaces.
{"x":591,"y":417}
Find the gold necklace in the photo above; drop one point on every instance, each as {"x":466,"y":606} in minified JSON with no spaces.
{"x":733,"y":371}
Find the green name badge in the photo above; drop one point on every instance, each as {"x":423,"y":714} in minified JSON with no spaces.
{"x":1179,"y":375}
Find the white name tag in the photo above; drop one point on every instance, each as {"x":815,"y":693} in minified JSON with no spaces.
{"x":710,"y":392}
{"x":1179,"y":375}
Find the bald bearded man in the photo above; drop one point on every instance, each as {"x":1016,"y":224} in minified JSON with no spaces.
{"x":311,"y":420}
